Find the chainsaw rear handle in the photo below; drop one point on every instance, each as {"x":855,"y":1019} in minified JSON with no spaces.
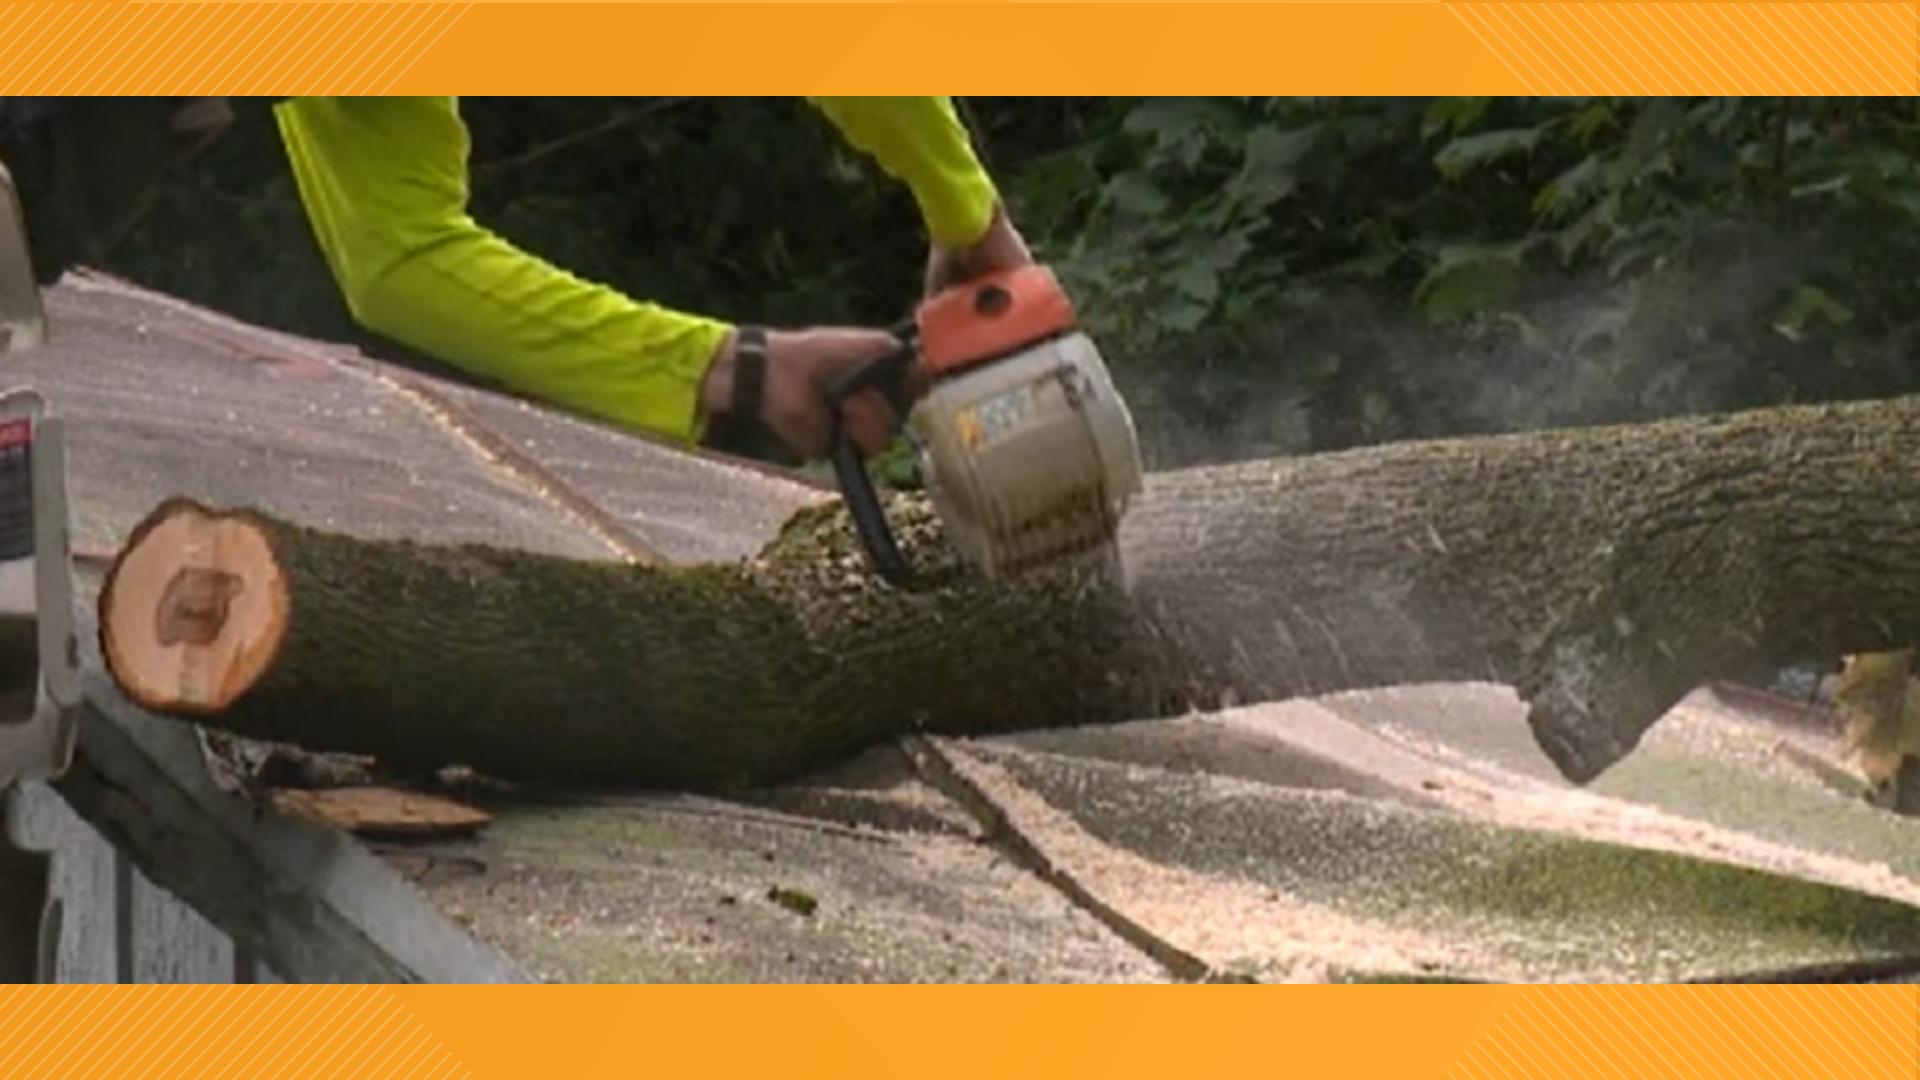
{"x":888,"y":374}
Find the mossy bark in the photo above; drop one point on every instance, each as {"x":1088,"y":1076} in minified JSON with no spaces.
{"x":1602,"y":572}
{"x":538,"y":667}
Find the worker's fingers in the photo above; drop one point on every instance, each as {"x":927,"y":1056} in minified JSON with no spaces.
{"x":802,"y":365}
{"x":869,"y":421}
{"x":866,"y":418}
{"x":945,"y":269}
{"x":1001,"y":247}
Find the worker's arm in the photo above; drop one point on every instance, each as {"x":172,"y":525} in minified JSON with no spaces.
{"x":384,"y":182}
{"x":921,"y":142}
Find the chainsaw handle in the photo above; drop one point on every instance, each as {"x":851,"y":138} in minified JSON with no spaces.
{"x":869,"y":519}
{"x":888,"y":375}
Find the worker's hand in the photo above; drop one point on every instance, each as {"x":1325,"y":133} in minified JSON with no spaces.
{"x":1001,"y":248}
{"x":800,"y":366}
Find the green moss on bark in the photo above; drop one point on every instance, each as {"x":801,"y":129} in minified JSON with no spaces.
{"x":538,"y":667}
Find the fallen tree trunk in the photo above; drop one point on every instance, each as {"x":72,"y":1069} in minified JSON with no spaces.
{"x":1602,"y":572}
{"x":533,"y":666}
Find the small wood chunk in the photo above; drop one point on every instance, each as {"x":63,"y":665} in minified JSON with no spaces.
{"x":382,"y":811}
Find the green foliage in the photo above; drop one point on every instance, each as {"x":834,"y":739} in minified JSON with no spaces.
{"x":1266,"y":274}
{"x":1467,"y":153}
{"x":1399,"y":267}
{"x":1466,"y":278}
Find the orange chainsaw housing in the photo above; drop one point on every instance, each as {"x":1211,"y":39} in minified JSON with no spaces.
{"x":989,"y":317}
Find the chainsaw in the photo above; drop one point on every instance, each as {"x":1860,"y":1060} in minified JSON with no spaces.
{"x":1027,"y":450}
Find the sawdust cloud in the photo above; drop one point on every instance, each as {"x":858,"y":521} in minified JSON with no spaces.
{"x":1357,"y":369}
{"x":1574,"y":353}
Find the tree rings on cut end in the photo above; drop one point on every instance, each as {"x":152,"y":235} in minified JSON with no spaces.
{"x":193,"y":610}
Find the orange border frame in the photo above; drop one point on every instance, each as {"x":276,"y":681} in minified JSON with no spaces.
{"x":1029,"y":48}
{"x":1361,"y":47}
{"x":967,"y":1033}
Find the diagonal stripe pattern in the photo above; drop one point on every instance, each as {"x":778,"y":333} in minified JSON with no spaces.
{"x":1567,"y":47}
{"x":1691,"y":48}
{"x":210,"y":48}
{"x":168,"y":1032}
{"x":1702,"y":1033}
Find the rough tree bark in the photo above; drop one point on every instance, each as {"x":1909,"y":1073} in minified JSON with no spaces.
{"x":1601,"y":572}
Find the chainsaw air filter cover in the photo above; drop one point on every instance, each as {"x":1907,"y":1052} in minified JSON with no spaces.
{"x":1029,"y":457}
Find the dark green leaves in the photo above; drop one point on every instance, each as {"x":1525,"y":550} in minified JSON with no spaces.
{"x":1469,"y":152}
{"x":1808,"y":307}
{"x":1468,"y":278}
{"x":1452,"y":115}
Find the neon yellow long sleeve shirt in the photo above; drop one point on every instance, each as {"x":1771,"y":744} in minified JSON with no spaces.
{"x":384,"y":184}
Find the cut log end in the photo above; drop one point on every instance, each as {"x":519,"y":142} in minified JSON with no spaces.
{"x":193,"y":610}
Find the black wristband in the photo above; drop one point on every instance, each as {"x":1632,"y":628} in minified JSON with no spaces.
{"x":749,"y":376}
{"x":738,"y":429}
